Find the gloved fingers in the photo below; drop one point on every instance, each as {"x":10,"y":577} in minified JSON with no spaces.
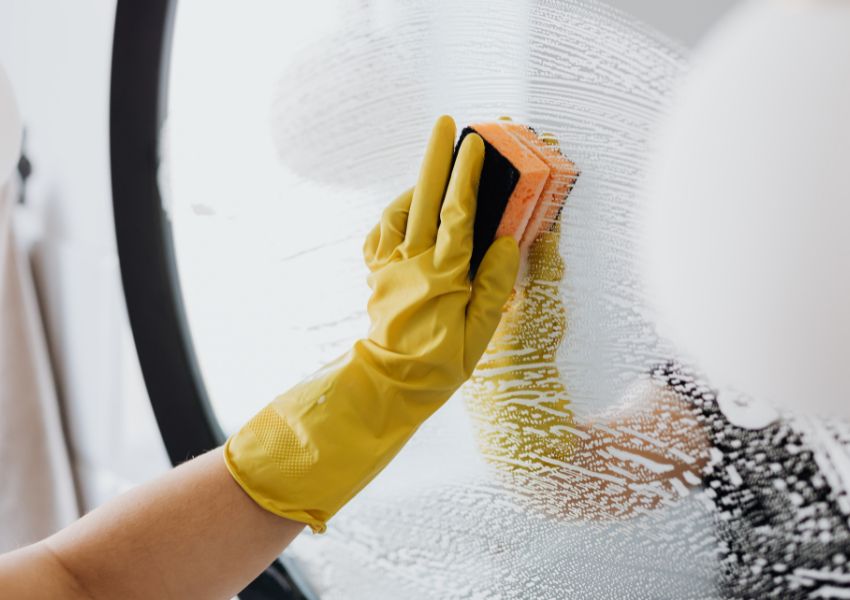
{"x":430,"y":187}
{"x":394,"y":224}
{"x":370,"y":246}
{"x":490,"y":291}
{"x":389,"y":232}
{"x":454,"y":238}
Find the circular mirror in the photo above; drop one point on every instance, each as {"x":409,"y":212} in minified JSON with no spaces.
{"x":585,"y":458}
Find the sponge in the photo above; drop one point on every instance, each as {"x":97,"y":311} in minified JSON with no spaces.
{"x":524,"y":181}
{"x":562,"y":178}
{"x":496,"y":186}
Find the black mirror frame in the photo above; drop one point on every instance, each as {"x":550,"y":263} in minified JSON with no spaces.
{"x":138,"y":108}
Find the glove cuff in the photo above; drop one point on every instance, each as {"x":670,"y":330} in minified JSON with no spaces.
{"x":307,"y":453}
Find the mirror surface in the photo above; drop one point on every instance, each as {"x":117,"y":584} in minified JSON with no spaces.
{"x":583,"y":459}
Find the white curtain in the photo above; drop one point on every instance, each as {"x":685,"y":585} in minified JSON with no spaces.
{"x":37,"y":494}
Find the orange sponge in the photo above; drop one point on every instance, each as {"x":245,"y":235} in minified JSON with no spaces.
{"x":524,"y":182}
{"x":562,"y":177}
{"x":533,"y":174}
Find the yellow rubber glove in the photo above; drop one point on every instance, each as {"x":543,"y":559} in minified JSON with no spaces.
{"x":314,"y":447}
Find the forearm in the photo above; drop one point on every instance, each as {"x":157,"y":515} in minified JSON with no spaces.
{"x":192,"y":533}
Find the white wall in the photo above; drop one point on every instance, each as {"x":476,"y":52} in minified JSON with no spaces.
{"x":57,"y":55}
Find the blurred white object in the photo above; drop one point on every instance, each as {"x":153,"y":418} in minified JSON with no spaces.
{"x":10,"y":129}
{"x":37,"y":494}
{"x":747,"y":242}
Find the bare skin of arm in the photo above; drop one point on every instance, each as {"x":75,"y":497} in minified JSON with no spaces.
{"x":192,"y":533}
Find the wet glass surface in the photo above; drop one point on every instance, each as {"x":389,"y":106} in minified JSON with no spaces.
{"x":583,"y":459}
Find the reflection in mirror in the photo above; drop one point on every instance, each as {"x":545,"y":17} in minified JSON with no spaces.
{"x":586,"y":457}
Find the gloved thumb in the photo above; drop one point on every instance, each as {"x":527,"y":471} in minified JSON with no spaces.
{"x":490,"y":291}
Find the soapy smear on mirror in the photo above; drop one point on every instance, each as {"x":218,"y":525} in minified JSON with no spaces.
{"x":585,"y":458}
